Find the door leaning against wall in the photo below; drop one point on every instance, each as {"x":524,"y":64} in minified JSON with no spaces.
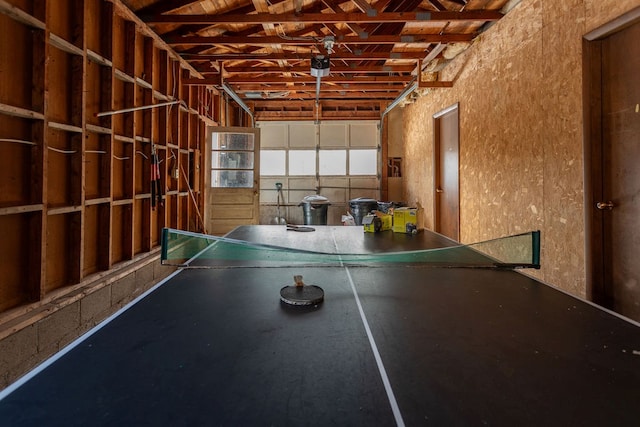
{"x":612,"y":155}
{"x":232,"y":179}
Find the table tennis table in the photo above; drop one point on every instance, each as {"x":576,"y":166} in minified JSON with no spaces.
{"x":395,"y":344}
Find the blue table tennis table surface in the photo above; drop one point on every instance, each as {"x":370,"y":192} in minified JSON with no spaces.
{"x":390,"y":345}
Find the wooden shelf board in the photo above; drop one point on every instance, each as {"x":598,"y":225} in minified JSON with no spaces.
{"x":63,"y":210}
{"x":121,"y":75}
{"x":64,"y":127}
{"x":98,"y":129}
{"x":23,"y":113}
{"x":142,"y":139}
{"x":20,"y":15}
{"x":98,"y":201}
{"x":98,"y":59}
{"x":123,"y":138}
{"x":160,"y":96}
{"x":64,"y":45}
{"x":12,"y":210}
{"x":143,"y":83}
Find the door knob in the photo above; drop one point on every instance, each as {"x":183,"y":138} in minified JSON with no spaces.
{"x":605,"y":206}
{"x":439,"y":190}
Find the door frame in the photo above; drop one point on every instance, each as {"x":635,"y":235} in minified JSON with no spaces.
{"x":436,"y":166}
{"x":254,"y":190}
{"x":593,"y":151}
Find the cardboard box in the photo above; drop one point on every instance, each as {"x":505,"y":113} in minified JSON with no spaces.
{"x":406,"y":220}
{"x":379,"y":221}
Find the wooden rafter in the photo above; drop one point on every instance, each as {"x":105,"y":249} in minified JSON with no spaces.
{"x":334,"y":6}
{"x":161,"y":7}
{"x":335,"y":69}
{"x":263,"y":49}
{"x":335,"y":18}
{"x":345,"y":56}
{"x":308,"y":41}
{"x":330,"y":79}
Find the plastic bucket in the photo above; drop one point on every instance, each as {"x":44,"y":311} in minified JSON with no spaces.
{"x":360,"y":207}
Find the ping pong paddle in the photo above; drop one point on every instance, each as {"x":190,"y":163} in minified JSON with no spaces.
{"x":292,"y":227}
{"x":301,"y":294}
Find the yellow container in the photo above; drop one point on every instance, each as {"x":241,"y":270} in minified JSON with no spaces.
{"x":372,"y":223}
{"x":406,"y":220}
{"x":387,"y":221}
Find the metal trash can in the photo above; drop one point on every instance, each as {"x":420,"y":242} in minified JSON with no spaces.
{"x":314,"y":209}
{"x":385,"y":206}
{"x":360,"y":207}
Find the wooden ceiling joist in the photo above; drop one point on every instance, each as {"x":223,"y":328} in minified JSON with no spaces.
{"x":346,"y":104}
{"x":310,"y":41}
{"x":263,"y":49}
{"x":360,"y":69}
{"x":349,"y":79}
{"x":357,"y":55}
{"x":344,"y":87}
{"x":326,"y":18}
{"x":330,"y":90}
{"x":329,"y":95}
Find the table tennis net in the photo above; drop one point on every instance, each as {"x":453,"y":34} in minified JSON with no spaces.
{"x":193,"y":250}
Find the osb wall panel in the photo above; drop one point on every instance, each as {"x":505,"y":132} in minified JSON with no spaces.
{"x":521,"y":156}
{"x":394,"y":134}
{"x":563,"y":152}
{"x":599,"y":12}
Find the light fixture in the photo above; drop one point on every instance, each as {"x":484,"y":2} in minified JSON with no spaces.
{"x":320,"y":66}
{"x":240,"y":102}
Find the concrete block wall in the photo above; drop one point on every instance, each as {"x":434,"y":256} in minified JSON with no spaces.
{"x":28,"y":338}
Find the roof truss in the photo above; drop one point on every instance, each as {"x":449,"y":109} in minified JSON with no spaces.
{"x":262,"y":49}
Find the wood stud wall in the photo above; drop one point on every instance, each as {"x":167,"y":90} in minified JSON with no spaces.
{"x":75,"y":194}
